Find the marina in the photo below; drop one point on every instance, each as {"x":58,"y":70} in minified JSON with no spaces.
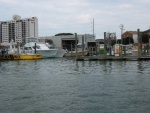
{"x":75,"y":56}
{"x":113,"y":58}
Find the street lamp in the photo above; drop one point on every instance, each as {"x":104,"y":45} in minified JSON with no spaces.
{"x":149,"y":36}
{"x":122,"y":28}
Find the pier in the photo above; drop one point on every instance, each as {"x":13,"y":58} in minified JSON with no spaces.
{"x":112,"y":58}
{"x":119,"y":53}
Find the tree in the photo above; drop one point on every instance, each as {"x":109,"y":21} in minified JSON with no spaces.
{"x":63,"y":34}
{"x":119,"y":41}
{"x":113,"y":42}
{"x":49,"y":41}
{"x":145,"y":38}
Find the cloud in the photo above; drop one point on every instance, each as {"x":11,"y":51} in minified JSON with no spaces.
{"x":77,"y":15}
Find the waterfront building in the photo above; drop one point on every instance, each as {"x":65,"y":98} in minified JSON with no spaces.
{"x":131,"y":34}
{"x":147,"y":33}
{"x":18,"y":29}
{"x":67,"y":41}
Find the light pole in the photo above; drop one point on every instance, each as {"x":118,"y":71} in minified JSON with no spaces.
{"x":149,"y":36}
{"x":122,"y":28}
{"x":93,"y":27}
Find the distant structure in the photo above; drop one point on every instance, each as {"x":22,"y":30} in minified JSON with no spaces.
{"x":132,"y":34}
{"x":67,"y":40}
{"x":18,"y":29}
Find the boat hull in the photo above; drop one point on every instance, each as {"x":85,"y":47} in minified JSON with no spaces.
{"x":21,"y":57}
{"x":47,"y":53}
{"x":60,"y":53}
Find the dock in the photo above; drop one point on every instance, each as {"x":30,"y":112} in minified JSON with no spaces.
{"x":112,"y":58}
{"x":119,"y":54}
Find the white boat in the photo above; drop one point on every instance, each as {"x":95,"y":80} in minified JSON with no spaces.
{"x":40,"y":49}
{"x":12,"y":51}
{"x":60,"y":52}
{"x":9,"y":48}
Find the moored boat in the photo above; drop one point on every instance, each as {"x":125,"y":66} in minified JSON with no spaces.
{"x":20,"y":57}
{"x":60,"y":53}
{"x":10,"y":51}
{"x":40,"y":49}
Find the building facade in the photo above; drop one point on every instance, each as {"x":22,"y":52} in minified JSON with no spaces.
{"x":132,"y":34}
{"x":66,"y":41}
{"x":18,"y":29}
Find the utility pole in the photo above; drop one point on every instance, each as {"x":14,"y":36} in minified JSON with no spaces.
{"x":122,"y":28}
{"x":92,"y":26}
{"x":149,"y":36}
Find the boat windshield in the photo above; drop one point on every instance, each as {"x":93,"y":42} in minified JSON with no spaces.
{"x":37,"y":47}
{"x":27,"y":48}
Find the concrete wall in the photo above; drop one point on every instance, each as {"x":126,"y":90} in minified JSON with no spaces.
{"x":135,"y":38}
{"x":57,"y":40}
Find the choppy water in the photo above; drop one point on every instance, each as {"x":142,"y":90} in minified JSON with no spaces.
{"x":66,"y":86}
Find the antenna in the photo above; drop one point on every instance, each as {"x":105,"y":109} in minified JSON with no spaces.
{"x":92,"y":26}
{"x":122,"y":28}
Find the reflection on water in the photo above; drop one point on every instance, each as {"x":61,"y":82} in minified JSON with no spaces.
{"x":67,"y":86}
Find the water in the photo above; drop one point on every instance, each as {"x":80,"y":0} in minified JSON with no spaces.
{"x":66,"y":86}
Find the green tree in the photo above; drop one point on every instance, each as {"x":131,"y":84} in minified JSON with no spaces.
{"x":119,"y":41}
{"x":145,"y":38}
{"x":63,"y":34}
{"x":113,"y":42}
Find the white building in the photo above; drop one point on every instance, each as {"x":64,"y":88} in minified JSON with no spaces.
{"x":4,"y":32}
{"x":18,"y":29}
{"x":66,"y":41}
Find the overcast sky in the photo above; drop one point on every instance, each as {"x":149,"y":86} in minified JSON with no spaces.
{"x":76,"y":16}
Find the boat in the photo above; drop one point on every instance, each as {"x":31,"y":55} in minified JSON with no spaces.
{"x":20,"y":57}
{"x":10,"y":51}
{"x":40,"y":48}
{"x":60,"y":51}
{"x":46,"y":49}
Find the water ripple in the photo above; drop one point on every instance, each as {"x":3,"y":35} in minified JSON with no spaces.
{"x":68,"y":86}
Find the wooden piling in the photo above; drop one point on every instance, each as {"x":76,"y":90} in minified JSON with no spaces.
{"x":83,"y":46}
{"x":90,"y":54}
{"x":139,"y":43}
{"x":35,"y":49}
{"x":120,"y":48}
{"x":105,"y":45}
{"x":71,"y":49}
{"x":18,"y":48}
{"x":76,"y":44}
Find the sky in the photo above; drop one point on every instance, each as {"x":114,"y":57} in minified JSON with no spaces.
{"x":76,"y":16}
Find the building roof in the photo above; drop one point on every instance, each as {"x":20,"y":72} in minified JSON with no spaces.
{"x":146,"y":31}
{"x":132,"y":32}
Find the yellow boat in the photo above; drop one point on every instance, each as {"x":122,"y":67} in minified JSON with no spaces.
{"x":21,"y":57}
